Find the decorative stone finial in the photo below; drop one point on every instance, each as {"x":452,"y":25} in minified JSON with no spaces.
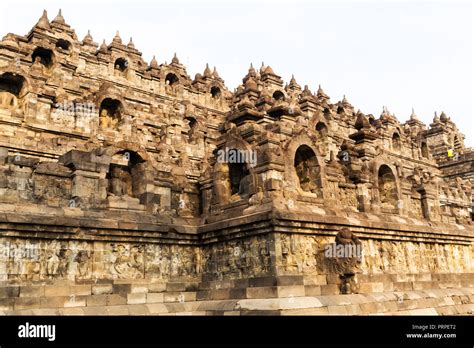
{"x":131,"y":44}
{"x":117,"y":38}
{"x":88,"y":38}
{"x":207,"y":71}
{"x":43,"y":22}
{"x":59,"y":18}
{"x":215,"y":74}
{"x":443,"y":117}
{"x":306,"y":92}
{"x":269,"y":70}
{"x":103,"y":47}
{"x":320,"y":94}
{"x":413,"y":115}
{"x":175,"y":59}
{"x":154,"y":63}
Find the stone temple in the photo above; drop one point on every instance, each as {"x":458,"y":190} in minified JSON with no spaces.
{"x":129,"y":187}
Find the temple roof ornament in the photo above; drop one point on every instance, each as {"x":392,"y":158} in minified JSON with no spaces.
{"x":88,"y":38}
{"x":103,"y":47}
{"x":131,"y":44}
{"x":443,"y":117}
{"x":215,"y":74}
{"x":154,"y":63}
{"x":207,"y":71}
{"x":251,"y":85}
{"x":321,"y":95}
{"x":293,"y":85}
{"x":117,"y":39}
{"x":175,"y":59}
{"x":59,"y":18}
{"x":413,"y":115}
{"x":269,"y":71}
{"x":43,"y":22}
{"x":306,"y":92}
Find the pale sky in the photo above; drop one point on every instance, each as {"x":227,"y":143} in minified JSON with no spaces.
{"x":399,"y":54}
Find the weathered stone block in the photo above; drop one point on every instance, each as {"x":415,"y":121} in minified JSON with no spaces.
{"x":136,"y":298}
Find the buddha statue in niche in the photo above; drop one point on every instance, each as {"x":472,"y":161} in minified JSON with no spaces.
{"x":104,"y":119}
{"x":8,"y":100}
{"x":307,"y":173}
{"x":120,"y":182}
{"x":221,"y":190}
{"x":388,"y":192}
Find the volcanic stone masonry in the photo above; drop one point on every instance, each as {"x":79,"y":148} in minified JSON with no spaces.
{"x":109,"y":174}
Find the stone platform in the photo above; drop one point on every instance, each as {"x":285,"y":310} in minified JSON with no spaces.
{"x":428,"y":294}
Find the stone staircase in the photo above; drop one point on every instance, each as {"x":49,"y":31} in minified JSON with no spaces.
{"x":421,"y":294}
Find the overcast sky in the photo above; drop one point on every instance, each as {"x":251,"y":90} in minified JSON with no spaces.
{"x":402,"y":55}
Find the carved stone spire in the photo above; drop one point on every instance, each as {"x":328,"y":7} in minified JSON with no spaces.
{"x":306,"y":92}
{"x":88,"y":38}
{"x":131,"y":44}
{"x":293,"y":85}
{"x":154,"y":63}
{"x":207,"y":71}
{"x":103,"y":47}
{"x":321,"y":95}
{"x":43,"y":22}
{"x":413,"y":115}
{"x":117,"y":39}
{"x":215,"y":74}
{"x":443,"y":117}
{"x":59,"y":18}
{"x":175,"y":59}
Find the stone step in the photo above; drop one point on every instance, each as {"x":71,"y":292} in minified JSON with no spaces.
{"x":432,"y":302}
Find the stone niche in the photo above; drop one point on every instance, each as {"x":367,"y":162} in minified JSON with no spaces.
{"x":110,"y":113}
{"x":387,"y":189}
{"x":124,"y":178}
{"x":12,"y":92}
{"x":307,"y":170}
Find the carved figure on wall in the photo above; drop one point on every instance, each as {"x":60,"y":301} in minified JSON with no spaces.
{"x":120,"y":182}
{"x":82,"y":258}
{"x":348,"y":265}
{"x":221,"y":184}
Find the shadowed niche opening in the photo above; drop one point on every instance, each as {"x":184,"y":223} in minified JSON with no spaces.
{"x":192,"y":123}
{"x":424,"y":150}
{"x":387,"y":187}
{"x":43,"y":56}
{"x":238,"y":173}
{"x":171,"y":79}
{"x":215,"y":92}
{"x":322,"y":131}
{"x":122,"y":175}
{"x":307,"y":168}
{"x":110,"y":113}
{"x":11,"y":86}
{"x":396,"y":142}
{"x":278,"y":95}
{"x":121,"y":64}
{"x":63,"y":44}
